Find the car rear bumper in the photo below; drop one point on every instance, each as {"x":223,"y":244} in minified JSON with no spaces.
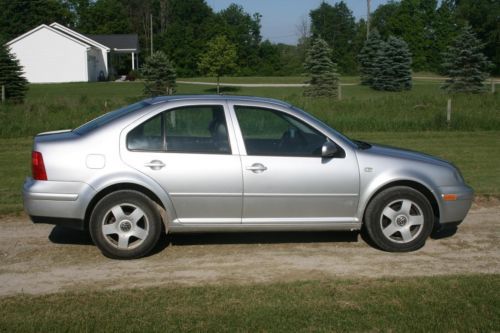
{"x":54,"y":202}
{"x":453,"y":212}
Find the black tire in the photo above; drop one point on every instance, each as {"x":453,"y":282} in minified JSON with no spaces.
{"x":125,"y":225}
{"x":399,"y":219}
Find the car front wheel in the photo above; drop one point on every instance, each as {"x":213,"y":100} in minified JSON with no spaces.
{"x":125,"y":225}
{"x":399,"y":219}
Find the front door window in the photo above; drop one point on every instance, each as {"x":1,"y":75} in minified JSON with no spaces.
{"x":272,"y":133}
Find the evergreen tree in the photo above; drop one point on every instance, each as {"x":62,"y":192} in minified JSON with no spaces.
{"x":324,"y":79}
{"x":465,"y":65}
{"x":367,"y":57}
{"x":401,"y":62}
{"x":159,"y":75}
{"x":11,"y":76}
{"x":383,"y":69}
{"x":392,"y":66}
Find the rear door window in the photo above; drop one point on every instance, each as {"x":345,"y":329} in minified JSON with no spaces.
{"x":193,"y":129}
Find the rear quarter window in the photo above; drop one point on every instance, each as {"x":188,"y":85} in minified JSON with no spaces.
{"x":109,"y":117}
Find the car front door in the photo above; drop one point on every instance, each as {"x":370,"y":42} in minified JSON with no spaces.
{"x":189,"y":151}
{"x":285,"y":178}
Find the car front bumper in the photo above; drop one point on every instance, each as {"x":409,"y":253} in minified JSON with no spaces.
{"x":453,"y":212}
{"x":54,"y":202}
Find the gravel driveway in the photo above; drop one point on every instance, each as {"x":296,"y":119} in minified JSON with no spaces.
{"x":37,"y":259}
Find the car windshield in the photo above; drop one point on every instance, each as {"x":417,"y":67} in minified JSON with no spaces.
{"x":108,"y":117}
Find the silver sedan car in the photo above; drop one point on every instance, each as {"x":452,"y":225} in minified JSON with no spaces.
{"x":233,"y":163}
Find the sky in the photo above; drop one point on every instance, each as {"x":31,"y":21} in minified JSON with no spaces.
{"x":280,"y":18}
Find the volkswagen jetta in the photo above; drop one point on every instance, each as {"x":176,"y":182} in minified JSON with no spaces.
{"x":229,"y":163}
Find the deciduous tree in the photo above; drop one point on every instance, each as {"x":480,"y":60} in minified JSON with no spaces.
{"x":426,"y":25}
{"x":483,"y":16}
{"x":243,"y":31}
{"x":219,"y":58}
{"x":18,"y":17}
{"x":336,"y":25}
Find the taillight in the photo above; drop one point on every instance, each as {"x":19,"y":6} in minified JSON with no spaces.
{"x":37,"y":166}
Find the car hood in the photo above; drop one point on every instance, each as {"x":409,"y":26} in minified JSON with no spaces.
{"x":407,"y":154}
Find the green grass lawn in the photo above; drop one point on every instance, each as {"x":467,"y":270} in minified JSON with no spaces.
{"x":15,"y":155}
{"x":477,"y":154}
{"x":436,"y":304}
{"x":418,"y":76}
{"x":59,"y":106}
{"x":264,"y":79}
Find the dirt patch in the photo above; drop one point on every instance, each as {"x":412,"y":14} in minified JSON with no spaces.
{"x":37,"y":259}
{"x":485,"y":201}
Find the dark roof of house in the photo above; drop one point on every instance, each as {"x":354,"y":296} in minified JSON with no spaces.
{"x":118,"y":42}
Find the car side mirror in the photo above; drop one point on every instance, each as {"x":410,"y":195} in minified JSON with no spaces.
{"x":329,"y":149}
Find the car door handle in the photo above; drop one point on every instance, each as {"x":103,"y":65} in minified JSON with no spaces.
{"x":257,"y":168}
{"x":155,"y":164}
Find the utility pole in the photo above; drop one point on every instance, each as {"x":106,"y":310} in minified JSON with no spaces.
{"x":151,"y":24}
{"x":368,"y":18}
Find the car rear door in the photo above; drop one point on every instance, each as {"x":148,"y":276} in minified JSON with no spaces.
{"x":191,"y":152}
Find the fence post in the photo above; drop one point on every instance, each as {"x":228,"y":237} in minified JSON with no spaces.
{"x":3,"y":93}
{"x":448,"y":112}
{"x":339,"y":93}
{"x":492,"y":86}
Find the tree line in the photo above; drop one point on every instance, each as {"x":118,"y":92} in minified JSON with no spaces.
{"x":182,"y":29}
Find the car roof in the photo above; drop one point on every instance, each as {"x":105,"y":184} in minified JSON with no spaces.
{"x":235,"y":98}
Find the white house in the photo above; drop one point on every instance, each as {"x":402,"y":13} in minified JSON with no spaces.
{"x":56,"y":53}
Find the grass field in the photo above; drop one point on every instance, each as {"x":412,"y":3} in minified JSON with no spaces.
{"x":58,"y":106}
{"x":437,"y":304}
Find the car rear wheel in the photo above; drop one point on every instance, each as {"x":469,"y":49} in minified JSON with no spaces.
{"x":125,"y":225}
{"x":399,"y":219}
